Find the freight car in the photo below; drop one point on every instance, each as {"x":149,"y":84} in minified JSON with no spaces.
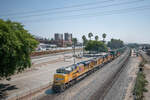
{"x":67,"y":76}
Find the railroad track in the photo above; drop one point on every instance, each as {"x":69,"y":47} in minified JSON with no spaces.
{"x":98,"y":94}
{"x":102,"y":92}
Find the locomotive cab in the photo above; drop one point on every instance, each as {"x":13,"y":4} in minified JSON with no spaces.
{"x":60,"y":77}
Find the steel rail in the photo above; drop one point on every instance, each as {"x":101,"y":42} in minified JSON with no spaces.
{"x":102,"y":91}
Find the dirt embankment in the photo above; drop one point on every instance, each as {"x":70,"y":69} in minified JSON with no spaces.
{"x":33,"y":54}
{"x":147,"y":74}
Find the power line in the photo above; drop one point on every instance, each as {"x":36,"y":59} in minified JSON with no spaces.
{"x":75,"y":10}
{"x":127,"y":10}
{"x":114,"y":11}
{"x":57,"y":8}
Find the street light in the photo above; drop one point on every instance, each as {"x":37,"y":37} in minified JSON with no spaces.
{"x":73,"y":47}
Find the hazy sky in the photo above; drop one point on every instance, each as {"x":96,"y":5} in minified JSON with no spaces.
{"x":128,"y":20}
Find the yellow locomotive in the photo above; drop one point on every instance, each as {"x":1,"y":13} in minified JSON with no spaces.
{"x":67,"y":76}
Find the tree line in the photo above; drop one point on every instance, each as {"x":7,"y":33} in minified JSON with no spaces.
{"x":100,"y":45}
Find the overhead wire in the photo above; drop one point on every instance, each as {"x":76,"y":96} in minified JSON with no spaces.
{"x":52,"y":9}
{"x":127,"y":10}
{"x":82,"y":9}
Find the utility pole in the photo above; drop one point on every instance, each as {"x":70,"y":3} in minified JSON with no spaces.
{"x":74,"y":53}
{"x":83,"y":49}
{"x":74,"y":43}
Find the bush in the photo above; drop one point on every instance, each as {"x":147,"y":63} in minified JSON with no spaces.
{"x":140,"y":86}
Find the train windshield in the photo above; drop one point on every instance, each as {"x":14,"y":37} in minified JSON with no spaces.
{"x":66,"y":70}
{"x":63,"y":71}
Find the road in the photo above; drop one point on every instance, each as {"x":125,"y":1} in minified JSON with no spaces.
{"x":40,"y":74}
{"x":87,"y":88}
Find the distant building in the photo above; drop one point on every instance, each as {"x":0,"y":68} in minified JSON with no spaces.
{"x":44,"y":47}
{"x":68,"y":37}
{"x":58,"y":37}
{"x":63,"y":42}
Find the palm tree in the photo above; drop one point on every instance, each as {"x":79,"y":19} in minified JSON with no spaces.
{"x":90,"y":35}
{"x":84,"y":39}
{"x":104,"y":36}
{"x":96,"y":37}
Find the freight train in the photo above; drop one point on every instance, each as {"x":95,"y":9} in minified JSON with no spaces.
{"x":67,"y":76}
